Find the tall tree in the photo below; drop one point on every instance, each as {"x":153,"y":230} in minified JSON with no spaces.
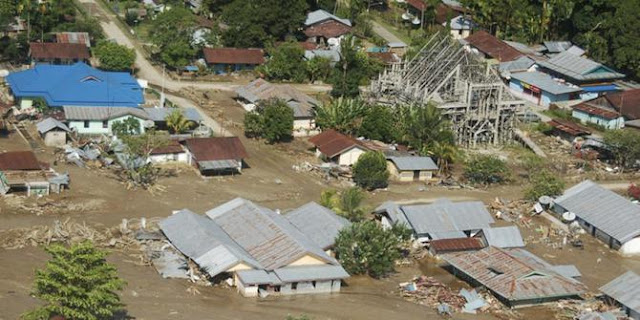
{"x":77,"y":283}
{"x":370,"y":171}
{"x":421,"y":125}
{"x":114,"y":57}
{"x":285,"y":63}
{"x":173,"y":34}
{"x":378,"y":124}
{"x":272,"y":120}
{"x":341,"y":114}
{"x":354,"y":69}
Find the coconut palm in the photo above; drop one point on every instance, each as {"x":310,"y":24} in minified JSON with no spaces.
{"x":177,"y":122}
{"x":445,"y":154}
{"x":341,"y":114}
{"x":422,"y":125}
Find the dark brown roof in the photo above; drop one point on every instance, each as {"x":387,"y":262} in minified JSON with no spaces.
{"x":385,"y":57}
{"x":327,"y":29}
{"x":332,"y":143}
{"x":233,"y":55}
{"x":626,"y":102}
{"x":419,"y":5}
{"x":492,"y":46}
{"x":52,"y":50}
{"x":444,"y":12}
{"x":218,"y":148}
{"x":171,"y":148}
{"x":594,"y":109}
{"x":19,"y":160}
{"x":569,"y":127}
{"x":460,"y":244}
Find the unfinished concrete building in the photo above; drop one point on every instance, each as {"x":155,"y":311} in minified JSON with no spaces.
{"x":470,"y":93}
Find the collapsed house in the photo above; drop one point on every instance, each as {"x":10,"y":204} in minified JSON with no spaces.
{"x":625,"y":291}
{"x":475,"y":100}
{"x":515,"y":276}
{"x":603,"y":214}
{"x":260,"y":249}
{"x":442,"y":219}
{"x":20,"y":171}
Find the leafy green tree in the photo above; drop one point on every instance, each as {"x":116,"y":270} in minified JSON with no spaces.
{"x":625,"y":146}
{"x":318,"y":68}
{"x":177,"y":122}
{"x":272,"y":120}
{"x":370,"y":171}
{"x":138,"y":170}
{"x":341,"y":114}
{"x":366,"y":248}
{"x":347,"y":203}
{"x":354,"y":69}
{"x":286,"y":63}
{"x":378,"y":124}
{"x":86,"y":24}
{"x":544,"y":183}
{"x":172,"y":35}
{"x":421,"y":125}
{"x":127,"y":127}
{"x":77,"y":283}
{"x":251,"y":23}
{"x":114,"y":57}
{"x":486,"y":170}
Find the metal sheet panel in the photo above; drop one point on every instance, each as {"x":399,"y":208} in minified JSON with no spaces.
{"x":446,"y":217}
{"x":311,"y":273}
{"x":625,"y":289}
{"x":318,"y":223}
{"x":503,"y":237}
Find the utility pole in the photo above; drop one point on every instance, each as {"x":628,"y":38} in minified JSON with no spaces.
{"x":162,"y":92}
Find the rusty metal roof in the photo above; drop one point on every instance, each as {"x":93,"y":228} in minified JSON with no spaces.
{"x":19,"y":160}
{"x":569,"y":127}
{"x":74,"y":37}
{"x":332,"y":143}
{"x":327,"y":29}
{"x":233,"y":55}
{"x":592,"y":109}
{"x":514,"y":277}
{"x":492,"y":46}
{"x":52,"y":50}
{"x":453,"y":245}
{"x":217,"y":148}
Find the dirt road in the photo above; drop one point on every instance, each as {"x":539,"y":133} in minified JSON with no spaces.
{"x":384,"y":33}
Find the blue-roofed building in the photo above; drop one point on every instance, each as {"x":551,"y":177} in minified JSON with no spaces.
{"x":541,"y":88}
{"x":77,"y":85}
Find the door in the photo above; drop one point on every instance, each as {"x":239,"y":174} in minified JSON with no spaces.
{"x":416,"y":175}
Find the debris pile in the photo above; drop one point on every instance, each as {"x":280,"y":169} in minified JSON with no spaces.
{"x":518,"y":212}
{"x":574,"y":309}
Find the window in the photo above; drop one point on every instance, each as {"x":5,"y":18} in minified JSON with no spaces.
{"x":294,"y":286}
{"x":105,"y":124}
{"x":86,"y":124}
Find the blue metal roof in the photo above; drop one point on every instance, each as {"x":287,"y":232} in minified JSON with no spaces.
{"x":76,"y":85}
{"x":600,"y":88}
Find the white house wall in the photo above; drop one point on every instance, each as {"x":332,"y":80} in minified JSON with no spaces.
{"x":350,"y":157}
{"x":96,"y":126}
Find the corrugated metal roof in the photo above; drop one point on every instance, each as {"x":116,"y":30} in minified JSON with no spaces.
{"x":49,"y":124}
{"x":219,"y":164}
{"x":102,"y":113}
{"x":459,"y":244}
{"x":447,"y":235}
{"x":545,"y":82}
{"x":314,"y":17}
{"x":604,"y":209}
{"x":320,"y":224}
{"x":567,"y":270}
{"x":74,"y":37}
{"x":503,"y":237}
{"x":445,"y":217}
{"x":252,"y":56}
{"x":569,"y":127}
{"x":308,"y":273}
{"x":160,"y":114}
{"x":411,"y":163}
{"x":492,"y":46}
{"x":392,"y":210}
{"x":200,"y":239}
{"x":521,"y":64}
{"x":261,"y":90}
{"x":216,"y":148}
{"x":264,"y":234}
{"x":327,"y":29}
{"x":19,"y":160}
{"x":53,"y":50}
{"x":579,"y":68}
{"x":557,"y":46}
{"x":513,"y":278}
{"x":625,"y":289}
{"x":253,"y":277}
{"x":461,"y":23}
{"x":332,"y":143}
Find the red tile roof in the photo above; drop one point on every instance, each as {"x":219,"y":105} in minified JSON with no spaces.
{"x":451,"y":245}
{"x":492,"y":46}
{"x":593,"y":109}
{"x":569,"y":127}
{"x":233,"y":56}
{"x":626,"y":102}
{"x":52,"y":50}
{"x":218,"y":148}
{"x":171,"y":148}
{"x":19,"y":160}
{"x":332,"y":143}
{"x":327,"y":29}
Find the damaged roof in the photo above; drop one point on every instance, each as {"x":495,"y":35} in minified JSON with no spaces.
{"x":625,"y":289}
{"x":327,"y":29}
{"x":569,"y":127}
{"x":513,"y":277}
{"x":454,"y":245}
{"x":318,"y":223}
{"x":49,"y":124}
{"x":604,"y":209}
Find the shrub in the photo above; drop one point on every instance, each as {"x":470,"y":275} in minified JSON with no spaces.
{"x":544,"y":183}
{"x":370,"y":171}
{"x":366,"y":248}
{"x":486,"y":170}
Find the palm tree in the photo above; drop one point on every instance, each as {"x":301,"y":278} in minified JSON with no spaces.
{"x":177,"y":122}
{"x":445,"y":154}
{"x":341,"y":114}
{"x":422,"y":125}
{"x":350,"y":201}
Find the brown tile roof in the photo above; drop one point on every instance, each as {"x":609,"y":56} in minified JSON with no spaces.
{"x":332,"y":143}
{"x":596,"y":110}
{"x":452,"y":245}
{"x":385,"y":57}
{"x":218,"y":148}
{"x":233,"y":55}
{"x":626,"y":102}
{"x":492,"y":46}
{"x":171,"y":148}
{"x":52,"y":50}
{"x":515,"y":274}
{"x":569,"y":127}
{"x":19,"y":160}
{"x":327,"y":29}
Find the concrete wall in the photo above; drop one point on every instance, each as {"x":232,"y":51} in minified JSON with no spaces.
{"x":407,"y":176}
{"x":350,"y":157}
{"x":173,"y":157}
{"x":584,"y":117}
{"x":247,"y":290}
{"x":97,"y":127}
{"x":55,"y":138}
